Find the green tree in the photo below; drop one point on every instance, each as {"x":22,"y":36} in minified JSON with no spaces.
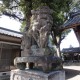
{"x":21,"y":10}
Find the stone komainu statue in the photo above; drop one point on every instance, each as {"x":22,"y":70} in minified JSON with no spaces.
{"x":35,"y":41}
{"x":38,"y":32}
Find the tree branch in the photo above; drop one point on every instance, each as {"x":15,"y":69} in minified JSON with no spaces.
{"x":13,"y":15}
{"x":16,"y":1}
{"x":62,"y":38}
{"x":54,"y":37}
{"x":13,"y":7}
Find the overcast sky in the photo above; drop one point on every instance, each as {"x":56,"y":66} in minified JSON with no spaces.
{"x":6,"y":22}
{"x":70,"y":40}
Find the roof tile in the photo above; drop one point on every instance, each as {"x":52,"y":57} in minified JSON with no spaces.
{"x":10,"y":32}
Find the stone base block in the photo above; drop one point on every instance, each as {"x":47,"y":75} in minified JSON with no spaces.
{"x":36,"y":75}
{"x":4,"y":75}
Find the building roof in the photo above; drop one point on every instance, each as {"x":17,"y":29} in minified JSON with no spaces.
{"x":10,"y":32}
{"x":73,"y":21}
{"x":71,"y":50}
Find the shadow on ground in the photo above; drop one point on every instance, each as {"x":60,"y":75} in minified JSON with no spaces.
{"x":70,"y":73}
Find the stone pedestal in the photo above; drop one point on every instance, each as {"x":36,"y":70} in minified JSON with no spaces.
{"x":36,"y":75}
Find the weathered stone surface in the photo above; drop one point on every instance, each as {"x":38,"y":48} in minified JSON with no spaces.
{"x":37,"y":59}
{"x":35,"y":42}
{"x":38,"y":32}
{"x":4,"y":75}
{"x":36,"y":75}
{"x":42,"y":9}
{"x":36,"y":52}
{"x":41,"y":22}
{"x":48,"y":63}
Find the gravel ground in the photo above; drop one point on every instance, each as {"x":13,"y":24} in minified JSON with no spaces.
{"x":72,"y":71}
